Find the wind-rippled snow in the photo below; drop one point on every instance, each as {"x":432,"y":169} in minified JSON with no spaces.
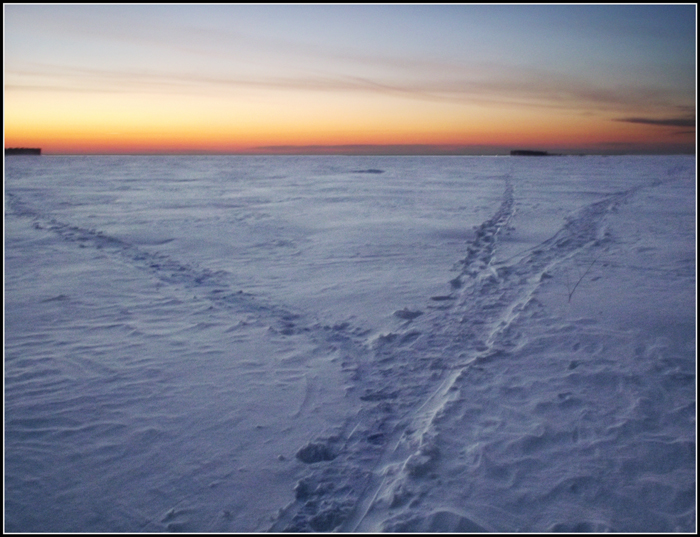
{"x":350,"y":343}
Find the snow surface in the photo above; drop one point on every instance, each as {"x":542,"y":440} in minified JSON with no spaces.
{"x":350,"y":343}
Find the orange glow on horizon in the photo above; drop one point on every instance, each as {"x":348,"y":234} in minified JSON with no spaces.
{"x":184,"y":140}
{"x":243,"y":79}
{"x":75,"y":123}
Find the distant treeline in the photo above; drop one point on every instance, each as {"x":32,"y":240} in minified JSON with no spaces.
{"x":23,"y":151}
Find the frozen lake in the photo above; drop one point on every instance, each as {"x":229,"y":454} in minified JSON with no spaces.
{"x":233,"y":343}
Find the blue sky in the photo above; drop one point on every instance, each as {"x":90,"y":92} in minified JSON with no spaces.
{"x":466,"y":65}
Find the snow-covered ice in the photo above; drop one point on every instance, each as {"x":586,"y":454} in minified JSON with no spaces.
{"x":428,"y":344}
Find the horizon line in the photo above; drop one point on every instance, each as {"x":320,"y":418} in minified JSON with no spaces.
{"x":384,"y":150}
{"x":252,"y":154}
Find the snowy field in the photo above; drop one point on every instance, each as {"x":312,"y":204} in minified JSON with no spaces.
{"x":210,"y":344}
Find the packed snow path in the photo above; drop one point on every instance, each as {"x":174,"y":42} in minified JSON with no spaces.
{"x":486,"y":383}
{"x":155,"y":381}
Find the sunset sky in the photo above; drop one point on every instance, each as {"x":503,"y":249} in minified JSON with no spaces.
{"x":349,"y":79}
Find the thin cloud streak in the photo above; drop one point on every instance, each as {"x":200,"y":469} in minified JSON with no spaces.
{"x":220,"y":59}
{"x":668,"y":122}
{"x":494,"y":84}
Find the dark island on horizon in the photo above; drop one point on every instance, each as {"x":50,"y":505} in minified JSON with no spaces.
{"x":22,"y":151}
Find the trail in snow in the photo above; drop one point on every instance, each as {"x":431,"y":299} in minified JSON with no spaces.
{"x":217,"y":287}
{"x":406,"y":378}
{"x":385,"y":397}
{"x":425,"y":385}
{"x":157,"y":384}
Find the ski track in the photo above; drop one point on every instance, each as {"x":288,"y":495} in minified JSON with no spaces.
{"x":214,"y":286}
{"x":409,"y":377}
{"x":367,"y":474}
